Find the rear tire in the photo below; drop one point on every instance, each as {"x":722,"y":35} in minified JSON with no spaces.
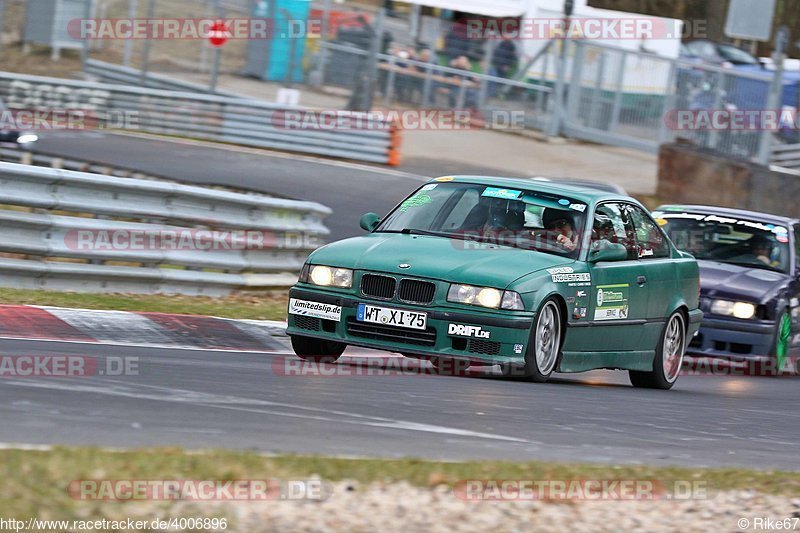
{"x":544,"y":348}
{"x":317,"y":350}
{"x":669,"y":357}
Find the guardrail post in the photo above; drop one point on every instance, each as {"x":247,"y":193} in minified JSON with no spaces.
{"x":428,"y":86}
{"x":575,"y":85}
{"x":127,"y":54}
{"x":669,"y":103}
{"x":620,"y":85}
{"x":775,"y":93}
{"x":388,"y":90}
{"x":146,"y":48}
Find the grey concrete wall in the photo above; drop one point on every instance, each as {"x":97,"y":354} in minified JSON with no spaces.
{"x":687,"y":174}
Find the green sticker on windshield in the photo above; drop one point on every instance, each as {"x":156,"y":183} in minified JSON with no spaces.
{"x":415,"y":201}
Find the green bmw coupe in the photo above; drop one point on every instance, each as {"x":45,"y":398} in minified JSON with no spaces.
{"x":535,"y":277}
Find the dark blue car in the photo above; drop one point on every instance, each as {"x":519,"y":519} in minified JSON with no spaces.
{"x":749,"y":280}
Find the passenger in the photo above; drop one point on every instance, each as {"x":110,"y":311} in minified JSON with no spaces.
{"x":560,"y":223}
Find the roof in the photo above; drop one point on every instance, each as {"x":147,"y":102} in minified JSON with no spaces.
{"x":730,"y":211}
{"x":584,"y":193}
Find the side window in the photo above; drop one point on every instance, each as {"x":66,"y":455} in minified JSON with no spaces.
{"x":468,"y":201}
{"x":611,"y":226}
{"x":702,"y":49}
{"x":797,"y":245}
{"x":652,"y":244}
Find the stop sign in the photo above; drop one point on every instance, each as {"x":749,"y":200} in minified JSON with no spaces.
{"x":218,"y":35}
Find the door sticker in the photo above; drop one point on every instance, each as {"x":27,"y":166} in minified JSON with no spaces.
{"x":612,"y":302}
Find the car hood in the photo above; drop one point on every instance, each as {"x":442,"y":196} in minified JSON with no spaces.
{"x":733,"y":282}
{"x":436,"y":258}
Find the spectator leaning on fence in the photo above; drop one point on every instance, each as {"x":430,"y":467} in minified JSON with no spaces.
{"x":471,"y":94}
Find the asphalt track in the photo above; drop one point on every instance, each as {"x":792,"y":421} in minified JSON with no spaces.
{"x":207,"y":399}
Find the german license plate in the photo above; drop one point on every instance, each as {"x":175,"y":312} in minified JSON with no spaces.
{"x":392,"y":317}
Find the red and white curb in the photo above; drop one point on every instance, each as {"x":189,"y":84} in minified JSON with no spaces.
{"x":141,"y":329}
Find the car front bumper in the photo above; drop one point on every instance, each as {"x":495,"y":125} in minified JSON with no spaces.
{"x":499,"y":337}
{"x":734,"y":339}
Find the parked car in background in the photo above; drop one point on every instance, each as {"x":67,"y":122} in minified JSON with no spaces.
{"x":743,"y":93}
{"x":720,"y":54}
{"x":749,"y":280}
{"x":12,"y":135}
{"x":533,"y":276}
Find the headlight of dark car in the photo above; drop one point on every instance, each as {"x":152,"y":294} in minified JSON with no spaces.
{"x":742,"y":310}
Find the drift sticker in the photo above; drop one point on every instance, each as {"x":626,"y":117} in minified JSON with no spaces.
{"x":518,"y":348}
{"x":578,"y":207}
{"x":315,"y":309}
{"x":468,"y":331}
{"x":503,"y":194}
{"x":612,"y":302}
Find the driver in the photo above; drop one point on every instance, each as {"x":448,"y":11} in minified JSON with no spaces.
{"x":761,"y":247}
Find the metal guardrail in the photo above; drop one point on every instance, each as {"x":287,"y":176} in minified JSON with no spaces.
{"x":46,"y":210}
{"x":209,"y":117}
{"x":104,"y":72}
{"x":786,"y":156}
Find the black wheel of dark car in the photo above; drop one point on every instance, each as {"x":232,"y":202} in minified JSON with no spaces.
{"x":317,"y":350}
{"x":544,"y":346}
{"x":669,"y":357}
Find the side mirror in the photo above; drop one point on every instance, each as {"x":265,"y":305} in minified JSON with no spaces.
{"x":370,"y":221}
{"x":610,"y":253}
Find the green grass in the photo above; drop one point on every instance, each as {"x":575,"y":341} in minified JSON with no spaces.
{"x":266,"y":306}
{"x":36,"y":481}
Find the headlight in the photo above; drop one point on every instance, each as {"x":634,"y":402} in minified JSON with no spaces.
{"x":27,"y":138}
{"x":485,"y":297}
{"x":741,"y":310}
{"x":331,"y":277}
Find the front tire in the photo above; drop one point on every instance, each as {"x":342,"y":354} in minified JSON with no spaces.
{"x":544,"y":348}
{"x":780,"y":346}
{"x":669,"y":357}
{"x":317,"y":350}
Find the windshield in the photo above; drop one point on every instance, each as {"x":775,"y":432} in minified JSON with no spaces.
{"x":492,"y":216}
{"x":736,"y":56}
{"x":728,"y":240}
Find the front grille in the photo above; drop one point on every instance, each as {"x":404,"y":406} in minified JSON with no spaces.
{"x":374,"y":286}
{"x":378,"y":332}
{"x":484,"y":347}
{"x":307,"y":322}
{"x":416,"y":292}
